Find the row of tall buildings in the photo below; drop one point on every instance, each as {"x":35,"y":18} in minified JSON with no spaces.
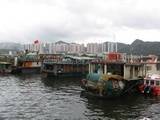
{"x":63,"y":47}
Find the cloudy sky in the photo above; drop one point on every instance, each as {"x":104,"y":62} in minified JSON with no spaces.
{"x":80,"y":21}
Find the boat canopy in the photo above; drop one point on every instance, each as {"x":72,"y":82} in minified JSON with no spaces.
{"x":6,"y":63}
{"x":93,"y":76}
{"x":111,"y":77}
{"x":96,"y":77}
{"x":153,"y":76}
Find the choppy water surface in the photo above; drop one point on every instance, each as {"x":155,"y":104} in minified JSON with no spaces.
{"x":33,"y":98}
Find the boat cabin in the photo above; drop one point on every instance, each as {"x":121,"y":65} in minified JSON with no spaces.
{"x":152,"y":80}
{"x":65,"y":65}
{"x":152,"y":64}
{"x":151,"y":85}
{"x":115,"y":63}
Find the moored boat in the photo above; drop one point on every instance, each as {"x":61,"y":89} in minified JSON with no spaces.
{"x":113,"y":76}
{"x":5,"y":67}
{"x":151,"y":85}
{"x":27,"y":63}
{"x":108,"y":86}
{"x":56,"y":65}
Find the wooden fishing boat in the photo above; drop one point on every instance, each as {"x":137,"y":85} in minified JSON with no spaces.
{"x":27,"y":63}
{"x":113,"y":76}
{"x":5,"y":67}
{"x":108,"y":86}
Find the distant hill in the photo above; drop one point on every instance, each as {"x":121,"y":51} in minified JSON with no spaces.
{"x":139,"y":47}
{"x":11,"y":46}
{"x":61,"y":42}
{"x":5,"y":47}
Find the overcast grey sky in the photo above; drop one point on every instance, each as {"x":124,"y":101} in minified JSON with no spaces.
{"x":80,"y":21}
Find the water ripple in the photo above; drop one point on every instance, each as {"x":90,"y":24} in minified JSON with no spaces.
{"x":33,"y":98}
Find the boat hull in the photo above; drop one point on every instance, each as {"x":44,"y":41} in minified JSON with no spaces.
{"x":64,"y":74}
{"x":90,"y":94}
{"x":6,"y":71}
{"x":27,"y":70}
{"x":149,"y":90}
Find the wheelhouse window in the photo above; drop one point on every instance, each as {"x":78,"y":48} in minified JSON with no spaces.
{"x":158,"y":66}
{"x":157,"y":82}
{"x":152,"y":82}
{"x":147,"y":82}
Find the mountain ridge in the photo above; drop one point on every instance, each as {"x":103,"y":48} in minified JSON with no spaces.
{"x":140,"y":47}
{"x":137,"y":47}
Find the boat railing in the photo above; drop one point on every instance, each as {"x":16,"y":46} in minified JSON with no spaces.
{"x":29,"y":59}
{"x":64,"y":62}
{"x":105,"y":61}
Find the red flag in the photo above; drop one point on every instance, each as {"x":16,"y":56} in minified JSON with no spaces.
{"x":36,"y":42}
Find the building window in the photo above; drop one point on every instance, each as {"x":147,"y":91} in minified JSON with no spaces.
{"x":157,"y":83}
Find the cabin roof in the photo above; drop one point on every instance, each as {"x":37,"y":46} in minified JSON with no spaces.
{"x":31,"y":54}
{"x":5,"y":63}
{"x":107,"y":62}
{"x":79,"y":58}
{"x":153,"y":77}
{"x":158,"y":62}
{"x":150,"y":79}
{"x":50,"y":54}
{"x":134,"y":64}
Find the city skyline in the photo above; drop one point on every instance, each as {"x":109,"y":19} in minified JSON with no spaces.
{"x":63,"y":47}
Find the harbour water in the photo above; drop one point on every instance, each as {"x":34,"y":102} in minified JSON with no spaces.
{"x":32,"y":97}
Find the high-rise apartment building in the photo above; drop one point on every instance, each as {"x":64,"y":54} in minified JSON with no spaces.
{"x":76,"y":48}
{"x":101,"y":47}
{"x":63,"y":47}
{"x":94,"y":48}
